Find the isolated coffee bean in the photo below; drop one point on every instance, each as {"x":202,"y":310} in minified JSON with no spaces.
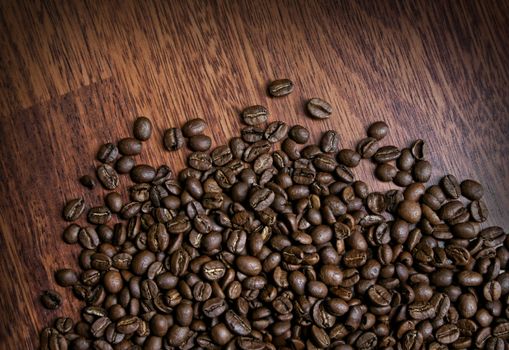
{"x":129,"y":146}
{"x":471,"y":189}
{"x":107,"y":153}
{"x":318,"y":108}
{"x":108,"y":176}
{"x":87,"y":181}
{"x":142,"y":128}
{"x":378,"y":130}
{"x":280,"y":87}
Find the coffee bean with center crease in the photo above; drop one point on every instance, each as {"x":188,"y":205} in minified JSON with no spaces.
{"x":73,"y":209}
{"x":107,"y":153}
{"x":237,"y":324}
{"x":51,"y":300}
{"x":254,"y":115}
{"x":173,"y":139}
{"x":318,"y":108}
{"x":261,"y":198}
{"x":107,"y":176}
{"x":276,"y":131}
{"x":99,"y":215}
{"x":280,"y":87}
{"x":329,"y":142}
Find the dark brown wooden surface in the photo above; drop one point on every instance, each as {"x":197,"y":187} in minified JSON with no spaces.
{"x":75,"y":74}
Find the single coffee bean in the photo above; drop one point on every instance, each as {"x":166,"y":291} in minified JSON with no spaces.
{"x":478,"y":211}
{"x":410,"y":211}
{"x":199,"y":161}
{"x":199,"y":143}
{"x":254,"y":115}
{"x":471,"y":189}
{"x":406,"y":160}
{"x":252,"y":134}
{"x":66,"y":277}
{"x":129,"y":146}
{"x":70,"y":234}
{"x":385,"y":172}
{"x":329,"y":142}
{"x":107,"y":153}
{"x":419,"y":149}
{"x":378,"y":130}
{"x":213,"y":270}
{"x":447,"y":334}
{"x":451,"y":186}
{"x":386,"y":154}
{"x":280,"y":87}
{"x":299,"y":134}
{"x":124,"y":164}
{"x":319,"y":108}
{"x":107,"y":176}
{"x":142,"y":173}
{"x":99,"y":215}
{"x":51,"y":300}
{"x":73,"y":209}
{"x":173,"y":139}
{"x":349,"y":157}
{"x":142,"y":128}
{"x":276,"y":131}
{"x":193,"y":127}
{"x":422,"y":171}
{"x":367,"y":147}
{"x":237,"y":324}
{"x":87,"y":181}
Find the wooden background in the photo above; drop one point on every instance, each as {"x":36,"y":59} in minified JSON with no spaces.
{"x":75,"y":74}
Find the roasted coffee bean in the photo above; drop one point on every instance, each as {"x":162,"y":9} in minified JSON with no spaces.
{"x":107,"y":153}
{"x":329,"y":142}
{"x":142,"y":173}
{"x":129,"y":146}
{"x":349,"y":157}
{"x":261,"y":198}
{"x":66,"y":277}
{"x":87,"y":181}
{"x":378,"y":130}
{"x":385,"y":172}
{"x":255,"y":115}
{"x":252,"y":134}
{"x":280,"y":87}
{"x":70,"y":234}
{"x":367,"y":147}
{"x":451,"y":186}
{"x":142,"y":128}
{"x":478,"y":210}
{"x":193,"y":127}
{"x":73,"y":209}
{"x":213,"y":270}
{"x":318,"y":108}
{"x":124,"y":164}
{"x":419,"y":149}
{"x":276,"y":131}
{"x":299,"y":134}
{"x":471,"y":189}
{"x":107,"y":176}
{"x":99,"y":215}
{"x":386,"y":154}
{"x":173,"y":139}
{"x":51,"y":300}
{"x":422,"y":171}
{"x":237,"y":324}
{"x":199,"y":143}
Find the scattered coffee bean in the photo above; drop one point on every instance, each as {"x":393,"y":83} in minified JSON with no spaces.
{"x":142,"y":128}
{"x":173,"y":139}
{"x":199,"y":143}
{"x":87,"y":181}
{"x":280,"y":87}
{"x":73,"y":209}
{"x":51,"y":300}
{"x":319,"y":108}
{"x":378,"y":130}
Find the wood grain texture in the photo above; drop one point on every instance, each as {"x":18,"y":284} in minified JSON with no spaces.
{"x":75,"y":74}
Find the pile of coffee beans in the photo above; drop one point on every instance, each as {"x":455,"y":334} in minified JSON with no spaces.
{"x":255,"y":247}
